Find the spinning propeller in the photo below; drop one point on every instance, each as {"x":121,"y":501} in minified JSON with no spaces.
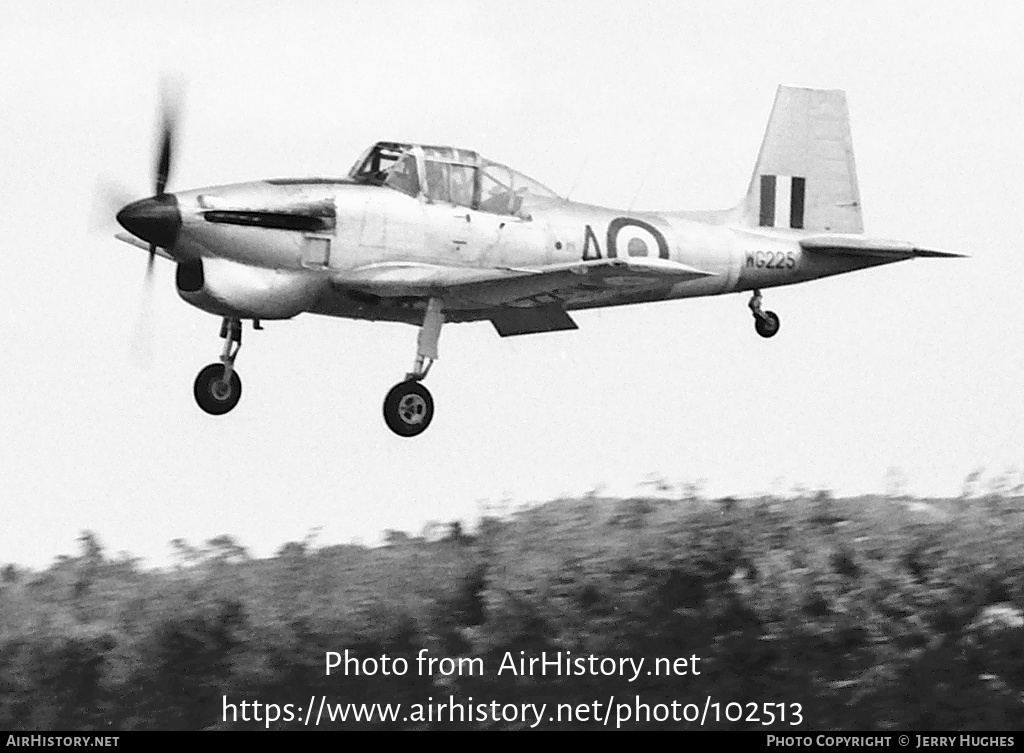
{"x":153,"y":223}
{"x":156,"y":220}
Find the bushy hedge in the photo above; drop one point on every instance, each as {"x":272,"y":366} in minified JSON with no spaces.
{"x":871,"y":613}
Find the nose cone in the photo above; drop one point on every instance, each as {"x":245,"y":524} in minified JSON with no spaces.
{"x":156,"y":220}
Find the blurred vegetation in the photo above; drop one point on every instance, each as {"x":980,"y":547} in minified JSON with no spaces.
{"x":874,"y":613}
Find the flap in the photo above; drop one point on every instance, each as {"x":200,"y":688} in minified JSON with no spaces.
{"x":527,"y":321}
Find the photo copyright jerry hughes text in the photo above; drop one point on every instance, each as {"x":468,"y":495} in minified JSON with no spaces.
{"x":519,"y":664}
{"x":886,"y":741}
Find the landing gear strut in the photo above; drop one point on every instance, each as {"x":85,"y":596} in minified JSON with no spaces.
{"x":765,"y":322}
{"x":408,"y":407}
{"x":218,"y":387}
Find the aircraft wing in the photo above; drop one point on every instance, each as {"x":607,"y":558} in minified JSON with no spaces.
{"x":523,"y":299}
{"x":498,"y":286}
{"x":858,"y":245}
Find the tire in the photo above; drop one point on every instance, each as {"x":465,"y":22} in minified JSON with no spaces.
{"x":768,"y":326}
{"x":212,"y":395}
{"x":408,"y":409}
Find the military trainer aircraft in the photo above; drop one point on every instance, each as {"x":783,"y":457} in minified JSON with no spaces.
{"x":432,"y":234}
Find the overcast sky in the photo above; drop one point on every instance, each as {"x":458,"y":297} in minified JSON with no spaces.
{"x":916,"y":365}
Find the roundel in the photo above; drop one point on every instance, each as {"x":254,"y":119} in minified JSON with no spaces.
{"x":629,"y":237}
{"x":636,"y":247}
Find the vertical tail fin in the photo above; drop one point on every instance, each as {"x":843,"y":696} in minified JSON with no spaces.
{"x":805,"y":176}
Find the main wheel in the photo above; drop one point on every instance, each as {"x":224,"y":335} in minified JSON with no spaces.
{"x":214,"y":395}
{"x":768,"y":326}
{"x":408,"y":409}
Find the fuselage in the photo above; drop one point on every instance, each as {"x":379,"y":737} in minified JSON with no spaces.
{"x":275,"y":248}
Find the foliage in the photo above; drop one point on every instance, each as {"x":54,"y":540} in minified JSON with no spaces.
{"x":883,"y":613}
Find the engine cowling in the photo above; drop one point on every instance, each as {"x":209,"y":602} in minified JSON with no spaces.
{"x":227,"y":288}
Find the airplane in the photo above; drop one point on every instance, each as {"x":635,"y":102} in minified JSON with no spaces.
{"x":429,"y":235}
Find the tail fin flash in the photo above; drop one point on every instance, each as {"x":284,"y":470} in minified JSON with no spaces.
{"x":805,"y":176}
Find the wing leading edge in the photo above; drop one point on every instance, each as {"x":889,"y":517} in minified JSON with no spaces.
{"x":524,"y":300}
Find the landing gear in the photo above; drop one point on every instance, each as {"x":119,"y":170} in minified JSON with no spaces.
{"x":215,"y":394}
{"x":765,"y":322}
{"x":408,"y":407}
{"x":768,"y":326}
{"x":218,"y":387}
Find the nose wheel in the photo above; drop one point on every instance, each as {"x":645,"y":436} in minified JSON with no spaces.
{"x":218,"y":387}
{"x":766,"y":323}
{"x":408,"y":407}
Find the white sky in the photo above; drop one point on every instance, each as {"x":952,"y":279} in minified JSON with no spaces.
{"x":917,"y":365}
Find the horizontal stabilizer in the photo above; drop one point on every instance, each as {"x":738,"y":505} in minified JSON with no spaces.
{"x":528,"y":321}
{"x":858,"y":245}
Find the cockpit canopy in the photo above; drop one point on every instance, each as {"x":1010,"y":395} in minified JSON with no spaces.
{"x":442,"y":174}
